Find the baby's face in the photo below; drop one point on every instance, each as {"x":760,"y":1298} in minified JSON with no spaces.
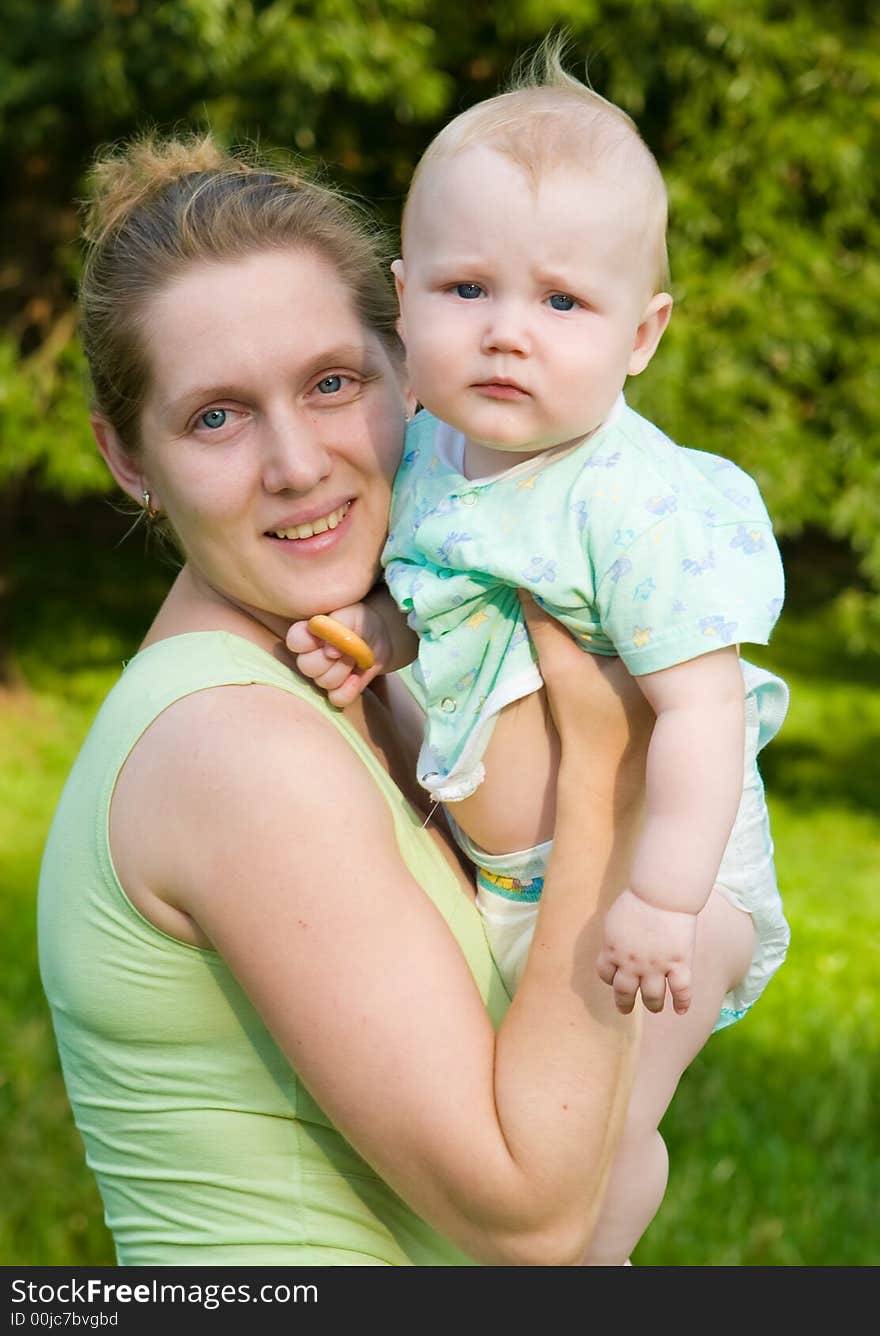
{"x":522,"y":303}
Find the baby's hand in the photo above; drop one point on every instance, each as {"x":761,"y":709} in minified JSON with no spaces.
{"x":336,"y":672}
{"x":646,"y":949}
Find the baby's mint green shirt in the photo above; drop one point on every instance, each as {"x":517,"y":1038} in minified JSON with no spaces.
{"x":641,"y":547}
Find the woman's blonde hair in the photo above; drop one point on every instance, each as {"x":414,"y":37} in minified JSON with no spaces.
{"x":159,"y":204}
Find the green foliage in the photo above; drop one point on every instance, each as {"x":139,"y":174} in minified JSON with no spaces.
{"x":764,"y":115}
{"x":770,"y":147}
{"x":90,"y":70}
{"x":778,"y":1113}
{"x":43,"y":424}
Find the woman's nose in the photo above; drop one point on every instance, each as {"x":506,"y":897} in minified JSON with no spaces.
{"x":296,"y":457}
{"x":506,"y":330}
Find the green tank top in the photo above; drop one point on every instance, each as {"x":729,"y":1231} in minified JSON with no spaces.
{"x":206,"y":1147}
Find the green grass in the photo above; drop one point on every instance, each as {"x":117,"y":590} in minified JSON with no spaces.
{"x":773,"y":1135}
{"x":51,"y":1213}
{"x":74,"y":617}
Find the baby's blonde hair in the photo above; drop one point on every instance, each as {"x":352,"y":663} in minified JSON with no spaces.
{"x":548,"y":119}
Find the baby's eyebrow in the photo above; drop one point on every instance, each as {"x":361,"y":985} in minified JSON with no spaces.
{"x":560,"y":276}
{"x":446,"y":264}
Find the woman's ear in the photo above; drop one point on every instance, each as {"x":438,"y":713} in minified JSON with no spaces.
{"x":125,"y":468}
{"x":410,"y":402}
{"x":650,"y":331}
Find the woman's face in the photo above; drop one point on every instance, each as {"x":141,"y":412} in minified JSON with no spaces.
{"x":271,"y":432}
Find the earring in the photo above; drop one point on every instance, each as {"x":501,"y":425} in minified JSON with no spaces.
{"x":148,"y":505}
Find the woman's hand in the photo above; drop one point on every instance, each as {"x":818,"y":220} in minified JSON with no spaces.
{"x":602,"y":718}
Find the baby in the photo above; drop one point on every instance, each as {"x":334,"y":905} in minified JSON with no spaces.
{"x":532,"y":283}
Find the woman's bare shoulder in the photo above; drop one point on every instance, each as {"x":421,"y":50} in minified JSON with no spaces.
{"x":245,"y":743}
{"x":234,"y":778}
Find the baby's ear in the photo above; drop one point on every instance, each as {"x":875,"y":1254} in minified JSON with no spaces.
{"x":399,"y":273}
{"x":650,"y":332}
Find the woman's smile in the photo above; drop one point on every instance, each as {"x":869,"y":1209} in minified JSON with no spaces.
{"x":307,"y":528}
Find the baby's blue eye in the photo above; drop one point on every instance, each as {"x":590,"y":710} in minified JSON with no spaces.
{"x":214,"y":418}
{"x":468,"y":290}
{"x":560,"y":302}
{"x":330,"y":385}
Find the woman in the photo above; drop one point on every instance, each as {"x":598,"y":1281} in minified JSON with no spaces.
{"x":275,"y":1009}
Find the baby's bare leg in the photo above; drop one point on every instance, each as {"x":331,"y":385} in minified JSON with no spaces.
{"x":515,"y":806}
{"x":725,"y":942}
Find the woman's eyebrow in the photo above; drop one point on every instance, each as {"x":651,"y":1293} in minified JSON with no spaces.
{"x":354,"y":355}
{"x":191,"y":398}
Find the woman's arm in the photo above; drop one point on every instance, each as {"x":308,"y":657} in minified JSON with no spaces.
{"x":501,"y":1142}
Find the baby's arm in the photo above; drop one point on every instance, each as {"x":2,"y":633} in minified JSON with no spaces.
{"x":379,"y":622}
{"x":694,"y":783}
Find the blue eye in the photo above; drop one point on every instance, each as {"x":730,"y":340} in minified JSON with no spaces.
{"x":560,"y":302}
{"x":468,"y":290}
{"x":330,"y":385}
{"x":214,"y":418}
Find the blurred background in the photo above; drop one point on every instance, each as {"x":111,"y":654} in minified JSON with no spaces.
{"x":765,"y":118}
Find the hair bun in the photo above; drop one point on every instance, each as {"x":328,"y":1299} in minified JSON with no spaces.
{"x":122,"y":178}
